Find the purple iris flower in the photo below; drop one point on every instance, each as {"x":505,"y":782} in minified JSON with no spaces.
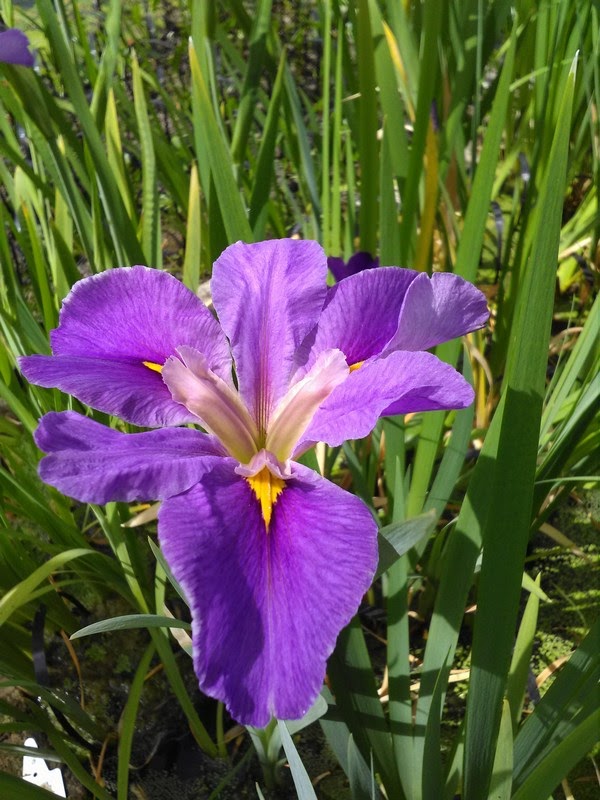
{"x":14,"y":48}
{"x":274,"y":559}
{"x":341,"y":269}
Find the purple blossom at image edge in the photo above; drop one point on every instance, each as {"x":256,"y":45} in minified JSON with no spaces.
{"x":14,"y":48}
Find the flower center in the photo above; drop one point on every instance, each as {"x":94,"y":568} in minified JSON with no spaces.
{"x":152,"y":365}
{"x":267,"y":488}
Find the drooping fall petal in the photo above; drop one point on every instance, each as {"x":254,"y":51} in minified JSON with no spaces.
{"x":97,"y":464}
{"x":129,"y":390}
{"x":397,"y":384}
{"x":267,"y":607}
{"x":116,"y":330}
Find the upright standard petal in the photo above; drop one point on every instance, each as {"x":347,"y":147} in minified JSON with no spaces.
{"x":96,"y":464}
{"x":400,"y":383}
{"x":438,"y":309}
{"x":116,"y":330}
{"x":14,"y":48}
{"x":267,"y":607}
{"x":268,"y":296}
{"x":361,"y":313}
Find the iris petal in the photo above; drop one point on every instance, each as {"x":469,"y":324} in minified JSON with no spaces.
{"x":97,"y":464}
{"x":397,"y":384}
{"x":110,"y":324}
{"x":14,"y":48}
{"x":438,"y":309}
{"x":268,"y":296}
{"x":297,"y":408}
{"x":267,"y":609}
{"x":361,"y":313}
{"x":128,"y":390}
{"x":217,"y":406}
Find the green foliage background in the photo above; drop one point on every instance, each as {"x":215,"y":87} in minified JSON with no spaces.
{"x":458,"y":136}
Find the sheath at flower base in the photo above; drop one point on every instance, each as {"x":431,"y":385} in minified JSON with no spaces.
{"x":274,"y":559}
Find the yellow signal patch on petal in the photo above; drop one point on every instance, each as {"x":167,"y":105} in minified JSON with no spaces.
{"x":267,"y":488}
{"x":152,"y":365}
{"x":356,"y":366}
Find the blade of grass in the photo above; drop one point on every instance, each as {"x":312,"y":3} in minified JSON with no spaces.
{"x":520,"y":664}
{"x":128,"y":721}
{"x":151,"y":244}
{"x":129,"y":622}
{"x":501,"y":783}
{"x":432,"y":24}
{"x":325,"y":129}
{"x":304,"y":787}
{"x":555,"y":766}
{"x":193,"y":236}
{"x":219,"y":158}
{"x":335,"y":240}
{"x":123,"y":235}
{"x":257,"y":46}
{"x":367,"y":140}
{"x":265,"y":164}
{"x":353,"y":682}
{"x":570,"y":699}
{"x":21,"y":593}
{"x":515,"y":442}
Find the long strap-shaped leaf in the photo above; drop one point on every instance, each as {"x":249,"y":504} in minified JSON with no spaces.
{"x":218,"y":157}
{"x":122,"y":228}
{"x":509,"y":455}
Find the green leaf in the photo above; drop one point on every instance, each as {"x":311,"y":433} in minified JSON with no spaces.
{"x":18,"y":789}
{"x":193,"y":236}
{"x":533,"y":587}
{"x":315,"y":712}
{"x":127,"y":723}
{"x":501,"y":783}
{"x":257,"y":48}
{"x":219,"y":158}
{"x":129,"y":622}
{"x":360,"y":776}
{"x":22,"y":750}
{"x":572,"y":697}
{"x":398,"y":538}
{"x":433,"y":15}
{"x":122,"y":231}
{"x":21,"y":594}
{"x":368,"y":123}
{"x":511,"y":448}
{"x":520,"y":665}
{"x":265,"y":164}
{"x":151,"y":238}
{"x":471,"y":240}
{"x":556,"y":765}
{"x":353,"y":682}
{"x":302,"y":782}
{"x":158,"y":555}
